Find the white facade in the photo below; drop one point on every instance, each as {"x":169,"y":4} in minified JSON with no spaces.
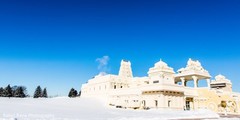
{"x":162,"y":88}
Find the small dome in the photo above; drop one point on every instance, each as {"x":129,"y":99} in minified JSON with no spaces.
{"x":161,"y":64}
{"x":220,"y":77}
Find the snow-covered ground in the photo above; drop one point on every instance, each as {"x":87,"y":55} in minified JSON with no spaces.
{"x":64,"y":108}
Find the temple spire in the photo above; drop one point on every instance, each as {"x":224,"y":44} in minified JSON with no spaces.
{"x":125,"y":69}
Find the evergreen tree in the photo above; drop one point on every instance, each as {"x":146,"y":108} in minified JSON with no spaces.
{"x":14,"y":89}
{"x":8,"y":91}
{"x":45,"y":93}
{"x":24,"y":90}
{"x":20,"y":92}
{"x":72,"y":93}
{"x":1,"y":92}
{"x":38,"y":92}
{"x":75,"y":93}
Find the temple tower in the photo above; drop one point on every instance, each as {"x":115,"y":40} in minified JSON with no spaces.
{"x":125,"y":69}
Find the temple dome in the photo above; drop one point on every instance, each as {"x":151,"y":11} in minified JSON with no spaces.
{"x":161,"y":64}
{"x":220,"y":77}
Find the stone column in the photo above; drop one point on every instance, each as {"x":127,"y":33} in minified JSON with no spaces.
{"x":183,"y":81}
{"x":208,"y":83}
{"x":195,"y":79}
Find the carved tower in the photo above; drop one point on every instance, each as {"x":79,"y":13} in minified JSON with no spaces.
{"x":125,"y":69}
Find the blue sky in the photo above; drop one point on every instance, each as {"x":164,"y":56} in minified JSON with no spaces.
{"x":55,"y":43}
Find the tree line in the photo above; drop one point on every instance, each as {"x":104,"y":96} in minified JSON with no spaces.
{"x":21,"y":92}
{"x":15,"y":91}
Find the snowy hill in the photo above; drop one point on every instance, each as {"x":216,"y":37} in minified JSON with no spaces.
{"x":85,"y":109}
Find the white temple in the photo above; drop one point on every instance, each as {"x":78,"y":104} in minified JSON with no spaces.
{"x":164,"y":89}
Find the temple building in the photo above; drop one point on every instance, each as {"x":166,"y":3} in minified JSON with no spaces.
{"x":165,"y":89}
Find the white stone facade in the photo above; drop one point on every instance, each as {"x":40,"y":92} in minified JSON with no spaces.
{"x":163,"y":89}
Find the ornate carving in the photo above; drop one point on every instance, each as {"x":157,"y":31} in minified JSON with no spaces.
{"x":125,"y":69}
{"x":221,"y":79}
{"x":193,"y":66}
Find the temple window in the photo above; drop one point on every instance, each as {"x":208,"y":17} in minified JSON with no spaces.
{"x":156,"y":103}
{"x":156,"y":81}
{"x":169,"y":103}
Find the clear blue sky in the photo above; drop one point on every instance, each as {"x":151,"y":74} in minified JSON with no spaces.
{"x":55,"y":43}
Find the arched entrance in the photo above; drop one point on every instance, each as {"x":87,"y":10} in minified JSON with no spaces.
{"x":188,"y":102}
